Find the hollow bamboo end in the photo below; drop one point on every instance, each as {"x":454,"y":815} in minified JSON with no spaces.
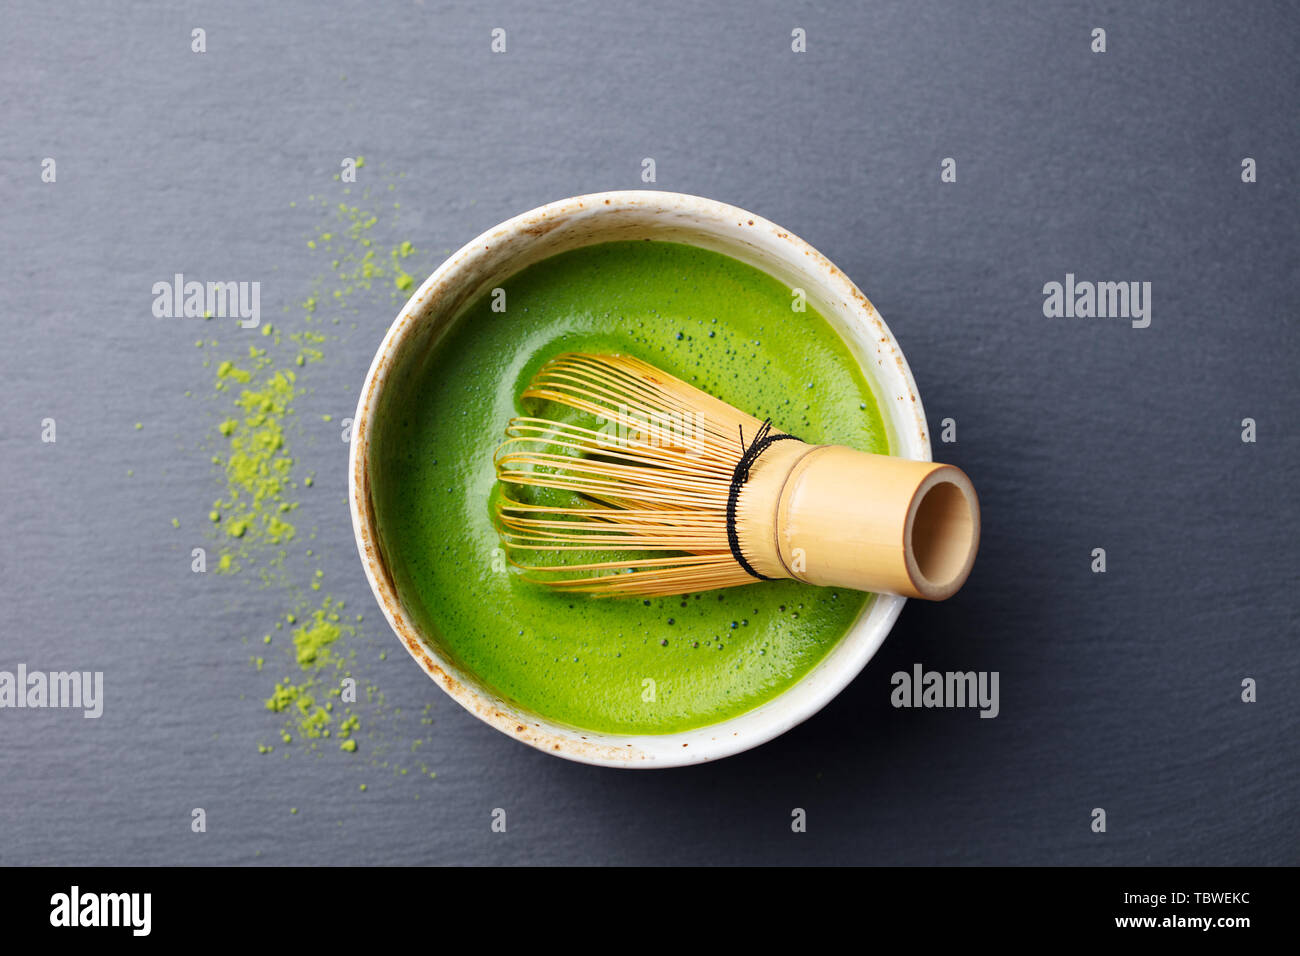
{"x":942,"y":534}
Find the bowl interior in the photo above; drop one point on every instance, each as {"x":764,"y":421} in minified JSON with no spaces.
{"x":501,"y":252}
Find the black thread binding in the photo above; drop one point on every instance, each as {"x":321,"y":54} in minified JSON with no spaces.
{"x":738,"y":477}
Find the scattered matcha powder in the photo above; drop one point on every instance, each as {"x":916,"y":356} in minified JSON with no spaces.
{"x":253,"y":518}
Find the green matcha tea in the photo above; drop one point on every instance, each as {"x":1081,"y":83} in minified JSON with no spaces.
{"x":708,"y":319}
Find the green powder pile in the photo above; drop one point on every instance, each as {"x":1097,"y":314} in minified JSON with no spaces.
{"x":309,"y":699}
{"x":253,"y":512}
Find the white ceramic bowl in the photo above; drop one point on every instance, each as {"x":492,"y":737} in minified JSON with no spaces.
{"x":583,"y":220}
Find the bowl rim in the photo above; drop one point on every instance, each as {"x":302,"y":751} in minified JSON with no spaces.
{"x":905,"y":421}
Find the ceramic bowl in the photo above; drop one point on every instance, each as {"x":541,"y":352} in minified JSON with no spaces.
{"x":487,"y":262}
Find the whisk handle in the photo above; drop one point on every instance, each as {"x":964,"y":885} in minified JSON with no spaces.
{"x":877,"y":523}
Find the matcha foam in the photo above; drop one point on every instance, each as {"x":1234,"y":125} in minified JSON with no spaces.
{"x":616,"y":665}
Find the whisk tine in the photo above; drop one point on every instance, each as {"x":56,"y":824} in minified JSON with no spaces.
{"x":653,"y":476}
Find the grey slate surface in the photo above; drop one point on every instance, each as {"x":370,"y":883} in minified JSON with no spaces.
{"x":1118,"y":691}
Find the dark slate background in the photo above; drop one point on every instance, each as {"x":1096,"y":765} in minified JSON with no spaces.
{"x":1118,"y":691}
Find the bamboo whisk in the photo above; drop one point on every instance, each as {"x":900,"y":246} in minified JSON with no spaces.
{"x":673,"y":491}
